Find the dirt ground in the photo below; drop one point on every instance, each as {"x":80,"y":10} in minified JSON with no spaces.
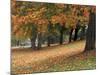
{"x":30,"y":61}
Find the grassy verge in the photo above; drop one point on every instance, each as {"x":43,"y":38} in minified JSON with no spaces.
{"x":83,"y":61}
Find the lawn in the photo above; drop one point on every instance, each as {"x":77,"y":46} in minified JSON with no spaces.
{"x":83,"y":61}
{"x":66,"y":57}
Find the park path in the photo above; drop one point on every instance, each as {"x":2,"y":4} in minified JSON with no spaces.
{"x":26,"y":57}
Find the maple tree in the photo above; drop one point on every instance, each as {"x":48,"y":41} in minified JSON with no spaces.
{"x":34,"y":20}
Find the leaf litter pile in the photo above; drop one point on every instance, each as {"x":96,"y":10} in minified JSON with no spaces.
{"x":67,"y":57}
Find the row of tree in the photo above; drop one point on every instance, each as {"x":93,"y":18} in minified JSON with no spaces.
{"x":35,"y":20}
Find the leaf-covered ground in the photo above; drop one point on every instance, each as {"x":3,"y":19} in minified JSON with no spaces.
{"x":57,"y":58}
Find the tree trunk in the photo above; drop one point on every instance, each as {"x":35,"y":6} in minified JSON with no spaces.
{"x":76,"y":31}
{"x":48,"y":40}
{"x":62,"y":33}
{"x":61,"y":36}
{"x":34,"y":36}
{"x":91,"y":32}
{"x":70,"y":34}
{"x":33,"y":39}
{"x":49,"y":30}
{"x":76,"y":34}
{"x":82,"y":36}
{"x":18,"y":42}
{"x":39,"y":41}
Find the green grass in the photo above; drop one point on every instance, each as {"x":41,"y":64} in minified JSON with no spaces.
{"x":82,"y":61}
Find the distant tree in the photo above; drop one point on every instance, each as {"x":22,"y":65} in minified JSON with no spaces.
{"x":76,"y":30}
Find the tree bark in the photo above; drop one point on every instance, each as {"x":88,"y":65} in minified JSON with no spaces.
{"x":82,"y":33}
{"x":70,"y":34}
{"x":39,"y":41}
{"x":76,"y":34}
{"x":48,"y":40}
{"x":33,"y":39}
{"x":18,"y":43}
{"x":49,"y":30}
{"x":91,"y":32}
{"x":34,"y":36}
{"x":61,"y":36}
{"x":62,"y":33}
{"x":76,"y":31}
